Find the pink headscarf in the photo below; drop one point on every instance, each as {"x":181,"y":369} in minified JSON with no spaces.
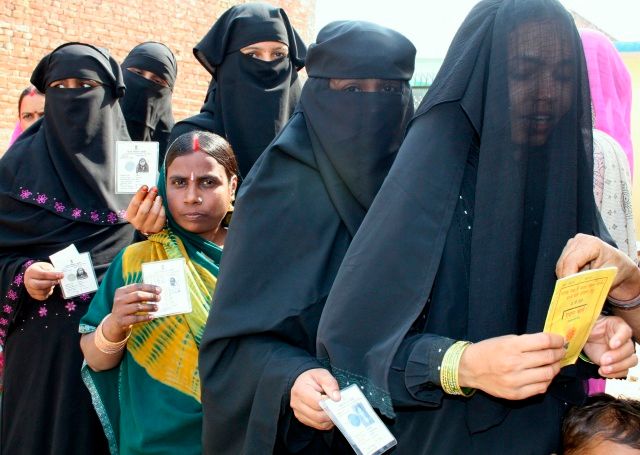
{"x":17,"y":131}
{"x":610,"y":85}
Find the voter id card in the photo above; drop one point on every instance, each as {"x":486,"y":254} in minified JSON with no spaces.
{"x":170,"y":276}
{"x":358,"y":422}
{"x":79,"y":276}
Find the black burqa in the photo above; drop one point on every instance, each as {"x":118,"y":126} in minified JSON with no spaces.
{"x":295,"y":217}
{"x":492,"y":179}
{"x":147,"y":105}
{"x":252,"y":99}
{"x":57,"y":188}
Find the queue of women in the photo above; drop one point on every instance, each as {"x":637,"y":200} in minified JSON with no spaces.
{"x":368,"y":244}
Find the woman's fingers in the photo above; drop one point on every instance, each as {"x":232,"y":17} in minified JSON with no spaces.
{"x":160,"y":220}
{"x":136,"y":201}
{"x":49,"y":275}
{"x":133,"y":319}
{"x":135,"y":297}
{"x":135,"y":308}
{"x":40,"y":278}
{"x":542,"y":357}
{"x":538,"y":341}
{"x":141,"y":209}
{"x":153,"y":218}
{"x":312,"y":418}
{"x":619,"y":369}
{"x":132,"y":304}
{"x":306,"y":393}
{"x":137,"y":292}
{"x":43,"y":284}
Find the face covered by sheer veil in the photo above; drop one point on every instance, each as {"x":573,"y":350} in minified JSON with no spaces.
{"x":508,"y":113}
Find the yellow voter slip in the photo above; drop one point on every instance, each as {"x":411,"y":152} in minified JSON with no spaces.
{"x":575,"y":306}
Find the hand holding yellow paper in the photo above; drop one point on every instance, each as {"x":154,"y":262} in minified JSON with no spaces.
{"x":575,"y":306}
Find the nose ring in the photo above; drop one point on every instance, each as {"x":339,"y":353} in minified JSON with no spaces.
{"x":199,"y":200}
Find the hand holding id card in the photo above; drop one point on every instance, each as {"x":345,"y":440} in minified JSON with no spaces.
{"x":79,"y":276}
{"x":170,"y":276}
{"x":358,"y":422}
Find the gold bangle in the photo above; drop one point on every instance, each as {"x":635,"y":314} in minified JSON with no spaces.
{"x":449,"y":370}
{"x":106,"y":346}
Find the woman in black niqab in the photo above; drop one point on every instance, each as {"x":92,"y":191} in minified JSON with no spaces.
{"x":249,"y":100}
{"x":57,"y":188}
{"x":147,"y":104}
{"x":491,"y":181}
{"x":295,"y":216}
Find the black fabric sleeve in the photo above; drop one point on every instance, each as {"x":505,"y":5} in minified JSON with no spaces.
{"x":250,"y":382}
{"x":414,"y":377}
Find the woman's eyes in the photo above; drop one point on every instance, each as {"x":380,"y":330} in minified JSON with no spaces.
{"x":274,"y":56}
{"x":391,"y":88}
{"x":386,"y":88}
{"x":205,"y":183}
{"x":27,"y":116}
{"x":83,"y":84}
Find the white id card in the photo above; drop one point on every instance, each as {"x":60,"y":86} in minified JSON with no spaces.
{"x":79,"y":276}
{"x":136,"y":165}
{"x":358,"y":422}
{"x":170,"y":275}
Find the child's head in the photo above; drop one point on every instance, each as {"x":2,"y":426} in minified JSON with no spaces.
{"x":604,"y":425}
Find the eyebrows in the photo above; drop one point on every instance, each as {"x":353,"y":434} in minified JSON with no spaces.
{"x":196,"y":177}
{"x":281,"y":48}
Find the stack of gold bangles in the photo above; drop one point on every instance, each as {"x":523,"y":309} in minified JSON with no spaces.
{"x":106,"y":346}
{"x":449,"y":370}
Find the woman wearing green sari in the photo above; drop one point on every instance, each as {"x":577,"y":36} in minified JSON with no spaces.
{"x":142,"y":371}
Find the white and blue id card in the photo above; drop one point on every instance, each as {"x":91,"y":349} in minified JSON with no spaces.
{"x":79,"y":276}
{"x":358,"y":422}
{"x":136,"y":164}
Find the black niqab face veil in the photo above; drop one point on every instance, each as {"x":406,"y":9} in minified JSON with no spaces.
{"x":66,"y":167}
{"x":253,"y":98}
{"x":147,"y":105}
{"x":358,"y":134}
{"x":512,"y":96}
